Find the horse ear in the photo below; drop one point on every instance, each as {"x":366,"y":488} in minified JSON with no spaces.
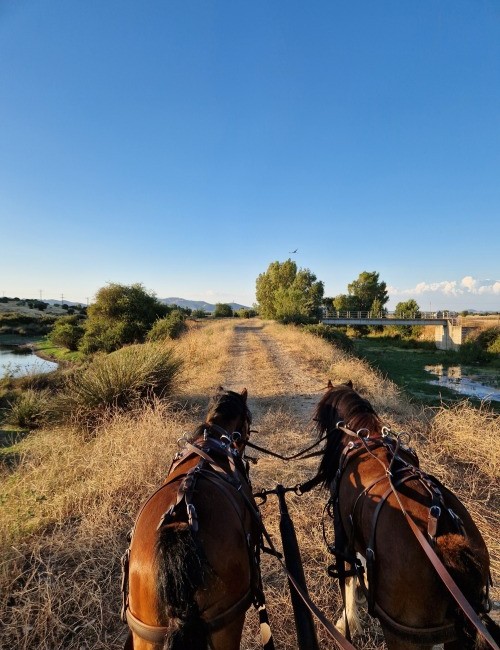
{"x":244,"y":394}
{"x":329,"y":385}
{"x":349,"y":383}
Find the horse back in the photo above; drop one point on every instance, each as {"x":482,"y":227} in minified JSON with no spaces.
{"x":404,"y":580}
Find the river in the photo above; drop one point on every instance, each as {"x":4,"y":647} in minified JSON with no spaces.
{"x":17,"y":365}
{"x":467,"y":381}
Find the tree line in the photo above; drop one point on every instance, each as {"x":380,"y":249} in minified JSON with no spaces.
{"x":122,"y":315}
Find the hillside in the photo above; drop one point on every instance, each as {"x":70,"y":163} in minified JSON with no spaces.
{"x":198,"y":304}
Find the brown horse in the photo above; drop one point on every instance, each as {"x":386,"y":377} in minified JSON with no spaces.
{"x":374,"y":480}
{"x":192,"y":566}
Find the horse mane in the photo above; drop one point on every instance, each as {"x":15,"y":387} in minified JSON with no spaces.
{"x":224,"y":406}
{"x":341,"y":403}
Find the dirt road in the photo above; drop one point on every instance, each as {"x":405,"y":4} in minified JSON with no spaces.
{"x":271,"y":373}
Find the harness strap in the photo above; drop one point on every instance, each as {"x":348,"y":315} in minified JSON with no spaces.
{"x":157,"y":633}
{"x":437,"y":634}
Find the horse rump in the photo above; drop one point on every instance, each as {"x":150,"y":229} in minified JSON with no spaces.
{"x":182,"y":570}
{"x":467,"y":570}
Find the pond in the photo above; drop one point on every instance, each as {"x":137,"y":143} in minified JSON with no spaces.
{"x":467,"y":381}
{"x":14,"y":364}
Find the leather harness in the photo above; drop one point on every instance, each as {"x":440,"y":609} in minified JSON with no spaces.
{"x":231,"y":484}
{"x":398,"y":472}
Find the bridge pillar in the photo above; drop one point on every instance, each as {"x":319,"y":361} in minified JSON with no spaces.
{"x":449,"y":336}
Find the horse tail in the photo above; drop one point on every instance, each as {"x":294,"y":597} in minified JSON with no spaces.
{"x":182,"y":568}
{"x":467,"y":571}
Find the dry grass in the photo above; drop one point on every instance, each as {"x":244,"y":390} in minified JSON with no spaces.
{"x":67,"y":505}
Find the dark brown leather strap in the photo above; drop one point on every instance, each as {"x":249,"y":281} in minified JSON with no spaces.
{"x":450,"y":584}
{"x":157,"y":633}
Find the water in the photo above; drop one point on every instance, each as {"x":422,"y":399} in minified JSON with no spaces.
{"x":18,"y":365}
{"x":467,"y":381}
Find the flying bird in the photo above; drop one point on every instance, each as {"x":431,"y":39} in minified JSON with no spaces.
{"x":292,"y":252}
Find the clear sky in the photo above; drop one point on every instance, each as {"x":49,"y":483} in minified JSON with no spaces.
{"x":188,"y":144}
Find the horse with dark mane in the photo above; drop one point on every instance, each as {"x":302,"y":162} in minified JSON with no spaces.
{"x":191,"y":571}
{"x":376,"y":486}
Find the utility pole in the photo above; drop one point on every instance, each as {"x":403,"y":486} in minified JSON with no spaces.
{"x":62,"y":299}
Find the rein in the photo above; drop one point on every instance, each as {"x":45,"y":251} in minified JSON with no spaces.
{"x":299,"y":454}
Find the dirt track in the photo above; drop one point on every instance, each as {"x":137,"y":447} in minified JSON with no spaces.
{"x":271,"y":374}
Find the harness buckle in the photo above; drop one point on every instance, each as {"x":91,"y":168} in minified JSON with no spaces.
{"x":192,"y":517}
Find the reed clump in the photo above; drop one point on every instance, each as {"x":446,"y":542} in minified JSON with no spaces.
{"x":122,"y":380}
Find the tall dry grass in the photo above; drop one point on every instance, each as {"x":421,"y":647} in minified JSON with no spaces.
{"x":68,"y":504}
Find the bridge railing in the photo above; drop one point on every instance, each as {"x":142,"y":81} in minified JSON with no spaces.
{"x":427,"y":315}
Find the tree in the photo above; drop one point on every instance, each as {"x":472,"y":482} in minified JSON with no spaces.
{"x":67,"y":332}
{"x":223,"y":310}
{"x":120,"y":315}
{"x":366,"y":289}
{"x":408,"y":309}
{"x":343,"y":302}
{"x":287,"y":294}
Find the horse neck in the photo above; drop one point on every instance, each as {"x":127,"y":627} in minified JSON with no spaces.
{"x":368,"y":421}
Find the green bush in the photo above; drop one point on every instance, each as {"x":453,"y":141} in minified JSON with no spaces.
{"x":120,"y":380}
{"x":489,"y":340}
{"x":199,"y":313}
{"x":332,"y":335}
{"x":246,"y":313}
{"x":170,"y":327}
{"x":30,"y":409}
{"x":119,"y":316}
{"x":472,"y":352}
{"x":223,"y":310}
{"x":67,"y":332}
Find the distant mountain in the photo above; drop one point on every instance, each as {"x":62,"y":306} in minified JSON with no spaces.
{"x":198,"y":304}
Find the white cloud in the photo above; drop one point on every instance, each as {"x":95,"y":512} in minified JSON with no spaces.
{"x":467,"y":285}
{"x":462,"y":291}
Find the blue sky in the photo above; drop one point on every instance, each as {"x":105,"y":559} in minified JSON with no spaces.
{"x":187,"y":145}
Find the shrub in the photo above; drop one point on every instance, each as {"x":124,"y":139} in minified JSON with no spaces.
{"x":489,"y":340}
{"x":332,"y":335}
{"x":30,"y":409}
{"x":170,"y":327}
{"x":67,"y":332}
{"x":120,"y":315}
{"x":223,"y":310}
{"x":246,"y":313}
{"x":120,"y":380}
{"x":472,"y":352}
{"x":199,"y":313}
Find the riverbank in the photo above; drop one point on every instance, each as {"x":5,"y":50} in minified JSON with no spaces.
{"x":404,"y":363}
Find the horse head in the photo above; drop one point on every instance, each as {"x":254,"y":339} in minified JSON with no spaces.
{"x":342,"y":406}
{"x":228,"y":410}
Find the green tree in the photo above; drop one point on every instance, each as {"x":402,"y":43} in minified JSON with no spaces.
{"x":223,"y":310}
{"x":343,"y":302}
{"x":287,"y":294}
{"x":366,"y":289}
{"x":408,"y":309}
{"x":120,"y":315}
{"x":67,"y":332}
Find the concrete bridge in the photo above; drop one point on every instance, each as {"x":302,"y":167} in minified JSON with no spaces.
{"x":449,"y":332}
